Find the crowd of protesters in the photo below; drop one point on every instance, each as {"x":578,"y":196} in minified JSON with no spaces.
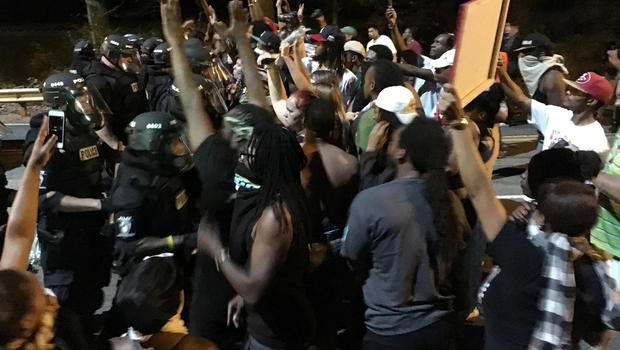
{"x":277,"y":184}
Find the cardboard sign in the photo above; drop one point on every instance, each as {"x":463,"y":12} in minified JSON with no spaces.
{"x":478,"y":40}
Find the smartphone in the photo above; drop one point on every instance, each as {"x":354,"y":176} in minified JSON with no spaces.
{"x":57,"y":126}
{"x":389,"y":3}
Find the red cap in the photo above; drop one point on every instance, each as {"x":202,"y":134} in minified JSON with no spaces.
{"x":593,"y":85}
{"x":317,"y":37}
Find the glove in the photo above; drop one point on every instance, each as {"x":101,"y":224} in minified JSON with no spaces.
{"x":107,"y":205}
{"x":150,"y":246}
{"x":50,"y":202}
{"x":124,"y":255}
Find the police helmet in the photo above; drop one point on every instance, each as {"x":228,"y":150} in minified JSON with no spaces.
{"x":197,"y":54}
{"x":154,"y":133}
{"x":83,"y":105}
{"x":115,"y":46}
{"x":147,"y":47}
{"x":134,"y":40}
{"x":161,"y":54}
{"x":151,"y":130}
{"x":85,"y":49}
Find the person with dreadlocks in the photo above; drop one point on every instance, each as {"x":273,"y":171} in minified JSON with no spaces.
{"x":404,"y":234}
{"x":215,"y":154}
{"x":267,"y":264}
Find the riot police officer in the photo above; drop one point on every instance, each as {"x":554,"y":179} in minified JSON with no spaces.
{"x":146,"y":50}
{"x":75,"y":257}
{"x":212,"y":101}
{"x":160,"y":79}
{"x":153,"y":195}
{"x":115,"y":76}
{"x":83,"y":55}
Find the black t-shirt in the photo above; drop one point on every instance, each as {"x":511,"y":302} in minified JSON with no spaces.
{"x":510,"y":303}
{"x":215,"y":161}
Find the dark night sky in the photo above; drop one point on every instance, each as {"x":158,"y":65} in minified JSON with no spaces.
{"x":580,"y":29}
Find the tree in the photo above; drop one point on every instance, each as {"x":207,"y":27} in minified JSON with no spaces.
{"x":97,"y":20}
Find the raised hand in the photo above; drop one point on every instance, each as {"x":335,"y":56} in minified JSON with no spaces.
{"x":171,"y":21}
{"x":300,"y":13}
{"x":239,"y":20}
{"x":391,"y":15}
{"x":449,"y":104}
{"x":42,"y":149}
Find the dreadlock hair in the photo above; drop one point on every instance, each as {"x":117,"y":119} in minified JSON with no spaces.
{"x":332,"y":56}
{"x":277,"y":159}
{"x":428,"y":149}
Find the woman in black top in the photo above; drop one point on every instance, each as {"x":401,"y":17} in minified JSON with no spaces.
{"x":547,"y":288}
{"x":270,"y":283}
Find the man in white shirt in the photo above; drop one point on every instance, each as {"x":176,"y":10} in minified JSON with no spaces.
{"x":377,"y":39}
{"x":574,"y":124}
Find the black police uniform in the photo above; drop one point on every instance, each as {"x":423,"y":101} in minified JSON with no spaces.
{"x":75,"y":256}
{"x":122,"y":93}
{"x":159,"y":92}
{"x":151,"y":196}
{"x":148,"y":204}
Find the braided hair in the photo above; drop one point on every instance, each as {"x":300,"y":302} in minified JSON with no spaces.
{"x":276,"y":159}
{"x":428,"y":150}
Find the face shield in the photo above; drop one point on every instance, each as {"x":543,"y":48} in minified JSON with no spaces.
{"x":182,"y":157}
{"x":217,"y":73}
{"x":214,"y":97}
{"x":90,"y":108}
{"x":130,"y":61}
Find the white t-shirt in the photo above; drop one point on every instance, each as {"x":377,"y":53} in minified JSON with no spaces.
{"x":382,"y":40}
{"x":428,"y":90}
{"x":556,"y":124}
{"x":348,"y":86}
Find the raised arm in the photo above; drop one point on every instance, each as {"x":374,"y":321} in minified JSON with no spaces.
{"x":417,"y":72}
{"x":513,"y":91}
{"x":239,"y":31}
{"x":299,"y":52}
{"x":198,"y":121}
{"x":277,"y":92}
{"x":490,"y":211}
{"x":22,"y":221}
{"x":299,"y":73}
{"x":398,"y":40}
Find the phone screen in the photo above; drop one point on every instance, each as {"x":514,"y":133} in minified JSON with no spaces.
{"x":57,"y":126}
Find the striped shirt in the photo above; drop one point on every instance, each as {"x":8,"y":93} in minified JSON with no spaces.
{"x":606,"y":232}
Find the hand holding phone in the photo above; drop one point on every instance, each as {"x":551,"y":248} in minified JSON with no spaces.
{"x":57,"y":126}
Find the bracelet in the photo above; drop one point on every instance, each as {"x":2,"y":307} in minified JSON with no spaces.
{"x":460,"y":124}
{"x":170,"y":242}
{"x":224,"y":256}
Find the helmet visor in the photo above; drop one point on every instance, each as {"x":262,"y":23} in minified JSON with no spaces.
{"x":130,"y":61}
{"x":90,"y":107}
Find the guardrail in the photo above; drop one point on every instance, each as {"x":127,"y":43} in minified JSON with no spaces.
{"x":21,"y":97}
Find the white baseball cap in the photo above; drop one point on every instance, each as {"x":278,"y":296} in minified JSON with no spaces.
{"x":398,"y":100}
{"x":355,"y":46}
{"x":445,"y":60}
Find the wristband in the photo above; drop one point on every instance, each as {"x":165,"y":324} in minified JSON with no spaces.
{"x":460,"y":124}
{"x":224,"y":256}
{"x":170,"y":242}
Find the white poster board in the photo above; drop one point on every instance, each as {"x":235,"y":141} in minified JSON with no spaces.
{"x":478,"y":40}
